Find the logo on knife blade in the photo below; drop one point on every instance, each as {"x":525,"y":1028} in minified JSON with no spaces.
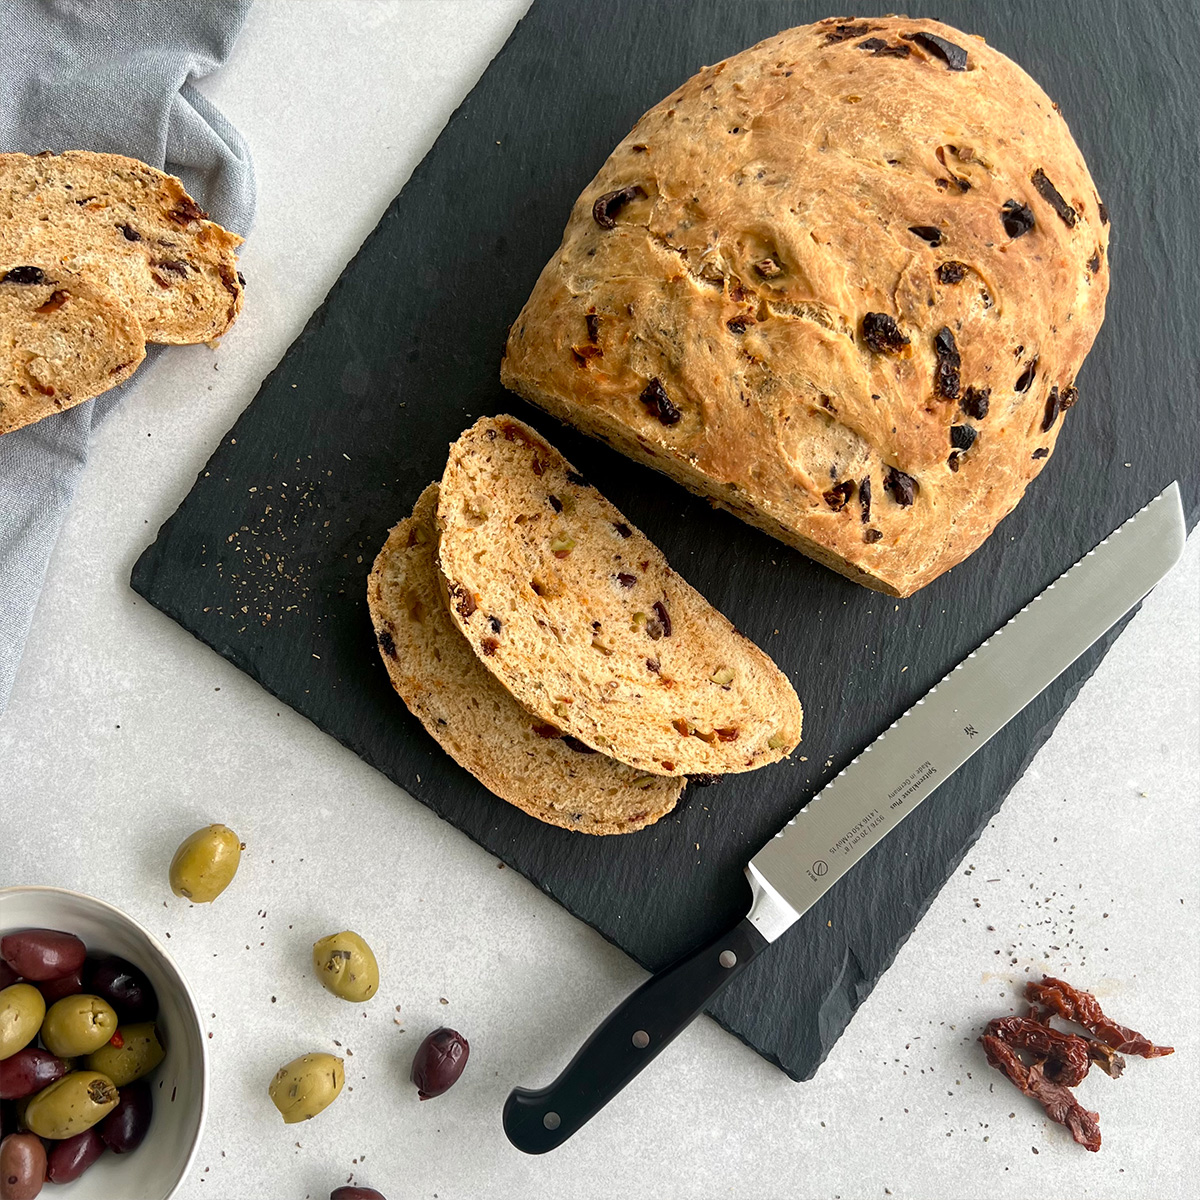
{"x":820,"y":867}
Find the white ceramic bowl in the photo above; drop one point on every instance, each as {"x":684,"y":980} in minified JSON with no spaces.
{"x":180,"y":1085}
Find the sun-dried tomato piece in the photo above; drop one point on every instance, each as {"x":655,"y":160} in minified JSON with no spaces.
{"x":1027,"y":376}
{"x":1067,"y":1054}
{"x":625,"y":579}
{"x":1017,"y":218}
{"x":1060,"y":1105}
{"x":186,"y":211}
{"x":927,"y":233}
{"x":1082,"y":1007}
{"x":1054,"y":198}
{"x":1106,"y":1058}
{"x":955,"y":57}
{"x":864,"y":497}
{"x":903,"y":487}
{"x":975,"y":402}
{"x":658,"y":403}
{"x":882,"y":334}
{"x":845,"y":31}
{"x":58,"y":298}
{"x":962,"y":437}
{"x":463,"y":601}
{"x":946,"y":376}
{"x":604,"y":211}
{"x":838,"y":497}
{"x":951,"y":271}
{"x":1053,"y":408}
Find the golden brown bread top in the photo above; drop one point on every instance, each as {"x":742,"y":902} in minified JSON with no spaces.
{"x":833,"y":258}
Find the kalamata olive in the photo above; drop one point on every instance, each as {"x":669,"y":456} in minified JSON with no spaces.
{"x":125,"y":1127}
{"x":439,"y":1062}
{"x":55,"y":989}
{"x":123,"y":986}
{"x":38,"y":954}
{"x":74,"y":1103}
{"x":22,"y":1166}
{"x":69,"y":1159}
{"x":21,"y":1011}
{"x":356,"y":1193}
{"x":205,"y":864}
{"x":29,"y":1071}
{"x":307,"y":1086}
{"x":134,"y":1051}
{"x":346,"y":966}
{"x":77,"y":1025}
{"x":7,"y":975}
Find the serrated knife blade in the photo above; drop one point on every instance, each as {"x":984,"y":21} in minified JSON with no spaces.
{"x":861,"y":806}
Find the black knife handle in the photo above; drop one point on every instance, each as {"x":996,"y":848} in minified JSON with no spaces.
{"x":632,"y":1035}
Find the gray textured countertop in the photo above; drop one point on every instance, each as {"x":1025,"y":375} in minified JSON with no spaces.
{"x":124,"y":734}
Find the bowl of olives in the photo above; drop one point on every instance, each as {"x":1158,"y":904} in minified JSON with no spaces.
{"x":103,"y":1061}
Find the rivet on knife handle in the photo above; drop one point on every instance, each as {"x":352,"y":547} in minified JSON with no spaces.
{"x":631,"y":1038}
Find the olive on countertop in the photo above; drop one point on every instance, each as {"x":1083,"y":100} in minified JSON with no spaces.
{"x":440,"y":1060}
{"x":28,"y":1071}
{"x":21,"y":1011}
{"x":22,"y":1166}
{"x":124,"y":986}
{"x":72,"y":1104}
{"x":134,"y":1051}
{"x":77,"y":1025}
{"x":307,"y":1086}
{"x":205,"y":863}
{"x":124,"y":1129}
{"x":346,"y":966}
{"x":356,"y":1193}
{"x":40,"y":954}
{"x":72,"y":1156}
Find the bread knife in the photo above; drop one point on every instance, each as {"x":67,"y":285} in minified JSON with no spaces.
{"x":858,"y":808}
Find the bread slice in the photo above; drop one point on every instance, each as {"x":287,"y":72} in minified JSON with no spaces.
{"x":580,"y":617}
{"x":841,"y":284}
{"x":63,"y":340}
{"x":126,"y":225}
{"x":523,"y":760}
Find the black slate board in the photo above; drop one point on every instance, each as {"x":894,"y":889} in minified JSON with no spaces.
{"x":404,"y":354}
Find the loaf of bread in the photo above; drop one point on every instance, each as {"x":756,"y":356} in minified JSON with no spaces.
{"x":841,"y":284}
{"x":124,"y":224}
{"x":523,"y":760}
{"x":63,"y":339}
{"x":579,"y":616}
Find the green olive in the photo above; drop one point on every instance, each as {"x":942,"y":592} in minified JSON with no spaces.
{"x":141,"y":1050}
{"x":306,"y":1086}
{"x":71,"y":1104}
{"x":346,"y":966}
{"x":205,"y":864}
{"x":21,"y":1011}
{"x":78,"y":1025}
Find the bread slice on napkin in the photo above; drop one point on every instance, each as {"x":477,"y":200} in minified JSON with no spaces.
{"x":122,"y":223}
{"x":579,"y":616}
{"x":63,"y":340}
{"x":523,"y":760}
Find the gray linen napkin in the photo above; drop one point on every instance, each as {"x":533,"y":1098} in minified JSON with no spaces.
{"x":106,"y":75}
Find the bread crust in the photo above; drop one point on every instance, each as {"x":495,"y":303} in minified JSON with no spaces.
{"x":126,"y":225}
{"x":777,"y":248}
{"x":475,"y":720}
{"x":580,"y":617}
{"x":64,"y":339}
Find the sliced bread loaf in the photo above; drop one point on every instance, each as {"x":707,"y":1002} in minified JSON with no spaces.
{"x":63,"y":340}
{"x":122,"y":223}
{"x":579,"y":616}
{"x":523,"y":760}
